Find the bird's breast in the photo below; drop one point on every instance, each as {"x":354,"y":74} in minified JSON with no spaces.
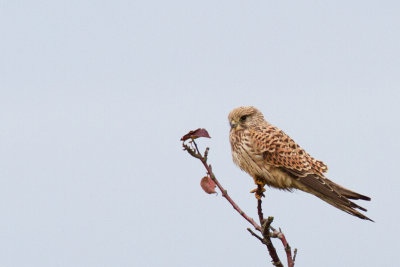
{"x":256,"y":166}
{"x":247,"y":160}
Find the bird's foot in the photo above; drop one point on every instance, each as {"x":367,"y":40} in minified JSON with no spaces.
{"x":259,"y":191}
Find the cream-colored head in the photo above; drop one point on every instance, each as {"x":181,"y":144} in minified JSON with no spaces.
{"x":244,"y":117}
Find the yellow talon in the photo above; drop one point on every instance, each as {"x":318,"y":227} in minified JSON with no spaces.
{"x":259,"y":191}
{"x":254,"y":190}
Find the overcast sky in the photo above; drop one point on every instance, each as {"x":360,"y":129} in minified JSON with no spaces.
{"x":95,"y":95}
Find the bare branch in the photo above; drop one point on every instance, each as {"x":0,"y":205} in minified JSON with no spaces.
{"x":255,"y":235}
{"x":266,"y":227}
{"x":196,"y":153}
{"x":294,"y":255}
{"x":267,"y":238}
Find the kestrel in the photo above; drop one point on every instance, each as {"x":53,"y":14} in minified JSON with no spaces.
{"x":272,"y":158}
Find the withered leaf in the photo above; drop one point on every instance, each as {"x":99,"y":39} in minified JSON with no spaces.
{"x":201,"y":132}
{"x":208,"y":185}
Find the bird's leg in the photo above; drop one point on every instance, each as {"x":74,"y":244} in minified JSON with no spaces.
{"x":259,"y":191}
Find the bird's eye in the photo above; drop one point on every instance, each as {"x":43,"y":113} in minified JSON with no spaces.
{"x":243,"y":118}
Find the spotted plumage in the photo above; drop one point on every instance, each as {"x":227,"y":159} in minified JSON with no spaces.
{"x":271,"y":157}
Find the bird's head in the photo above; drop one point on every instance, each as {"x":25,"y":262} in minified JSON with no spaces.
{"x":244,"y":117}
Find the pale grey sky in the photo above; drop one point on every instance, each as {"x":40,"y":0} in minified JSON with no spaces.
{"x":95,"y":95}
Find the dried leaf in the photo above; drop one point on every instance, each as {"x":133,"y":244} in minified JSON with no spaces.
{"x":208,"y":185}
{"x":196,"y":134}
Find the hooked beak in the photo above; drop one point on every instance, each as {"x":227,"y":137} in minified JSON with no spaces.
{"x":233,"y":124}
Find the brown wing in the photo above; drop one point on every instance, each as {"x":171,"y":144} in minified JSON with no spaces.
{"x":279,"y":150}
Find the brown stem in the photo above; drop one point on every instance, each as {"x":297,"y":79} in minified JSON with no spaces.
{"x":198,"y":155}
{"x":294,"y":255}
{"x":287,"y":248}
{"x":266,"y":226}
{"x":255,"y":235}
{"x":267,"y":239}
{"x":259,"y":210}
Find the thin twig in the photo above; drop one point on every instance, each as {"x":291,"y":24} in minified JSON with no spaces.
{"x":267,"y":238}
{"x":198,"y":155}
{"x":255,"y":235}
{"x":288,"y":250}
{"x":266,"y":226}
{"x":259,"y":210}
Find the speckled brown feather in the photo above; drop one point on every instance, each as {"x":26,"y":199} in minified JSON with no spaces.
{"x":280,"y":150}
{"x":272,"y":157}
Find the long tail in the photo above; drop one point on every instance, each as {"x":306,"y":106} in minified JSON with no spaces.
{"x":334,"y":194}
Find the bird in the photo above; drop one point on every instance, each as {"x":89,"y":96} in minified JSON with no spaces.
{"x":274,"y":159}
